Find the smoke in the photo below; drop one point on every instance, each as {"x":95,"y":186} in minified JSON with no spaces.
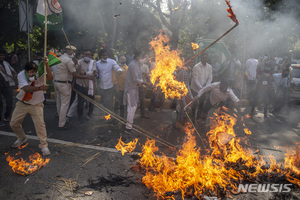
{"x":264,"y":31}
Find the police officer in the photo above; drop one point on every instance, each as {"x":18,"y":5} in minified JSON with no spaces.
{"x":65,"y":72}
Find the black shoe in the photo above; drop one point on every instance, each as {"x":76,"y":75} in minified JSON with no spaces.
{"x":130,"y":131}
{"x":64,"y":128}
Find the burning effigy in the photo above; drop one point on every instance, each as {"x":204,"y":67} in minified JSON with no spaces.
{"x":166,"y":63}
{"x":219,"y":172}
{"x":23,"y":167}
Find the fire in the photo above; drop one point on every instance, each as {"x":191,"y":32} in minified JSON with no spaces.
{"x":195,"y":46}
{"x":24,"y":168}
{"x":218,"y":171}
{"x":166,"y":63}
{"x":107,"y":117}
{"x":231,"y":15}
{"x":126,"y":148}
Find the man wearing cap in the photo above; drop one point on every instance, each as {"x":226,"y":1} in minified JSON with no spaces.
{"x":65,"y":71}
{"x":105,"y":67}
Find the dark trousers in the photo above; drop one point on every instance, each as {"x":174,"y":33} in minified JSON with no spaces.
{"x":83,"y":90}
{"x":7,"y":93}
{"x":119,"y":102}
{"x":264,"y":95}
{"x":142,"y":96}
{"x":197,"y":108}
{"x":107,"y":98}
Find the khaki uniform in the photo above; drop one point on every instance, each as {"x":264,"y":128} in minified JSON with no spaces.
{"x":63,"y":87}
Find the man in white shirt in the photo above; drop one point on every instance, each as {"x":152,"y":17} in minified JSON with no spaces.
{"x":201,"y":77}
{"x":85,"y":66}
{"x":31,"y":98}
{"x":250,"y":73}
{"x":104,"y":68}
{"x":219,"y":93}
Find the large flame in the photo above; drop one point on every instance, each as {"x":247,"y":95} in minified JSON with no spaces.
{"x":126,"y":148}
{"x":25,"y":168}
{"x":216,"y":172}
{"x":166,"y":63}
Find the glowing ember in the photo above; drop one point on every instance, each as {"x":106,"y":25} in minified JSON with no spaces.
{"x":195,"y":46}
{"x":217,"y":172}
{"x":23,"y":146}
{"x":166,"y":63}
{"x":107,"y":117}
{"x":24,"y":168}
{"x":126,"y":148}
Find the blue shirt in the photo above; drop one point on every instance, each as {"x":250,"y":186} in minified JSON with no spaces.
{"x":104,"y":70}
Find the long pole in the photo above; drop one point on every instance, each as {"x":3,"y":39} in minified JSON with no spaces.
{"x":45,"y":41}
{"x":28,"y":31}
{"x":211,"y":44}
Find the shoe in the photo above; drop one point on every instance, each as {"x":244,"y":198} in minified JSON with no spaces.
{"x":145,"y":117}
{"x":130,"y":131}
{"x":45,"y":151}
{"x":1,"y":124}
{"x":7,"y":119}
{"x":65,"y":127}
{"x":89,"y":116}
{"x":68,"y":120}
{"x":18,"y":143}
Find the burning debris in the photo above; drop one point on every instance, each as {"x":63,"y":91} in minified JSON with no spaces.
{"x":195,"y":46}
{"x":219,"y":172}
{"x":23,"y":167}
{"x":107,"y":117}
{"x":166,"y":63}
{"x":126,"y":148}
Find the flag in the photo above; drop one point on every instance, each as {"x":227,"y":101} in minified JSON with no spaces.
{"x":53,"y":60}
{"x":54,"y":14}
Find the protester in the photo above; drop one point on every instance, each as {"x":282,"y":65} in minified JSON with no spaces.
{"x":65,"y":71}
{"x":105,"y":67}
{"x":87,"y":87}
{"x":281,"y":81}
{"x":15,"y":62}
{"x":119,"y":82}
{"x":142,"y":89}
{"x":7,"y":76}
{"x":250,"y":73}
{"x":263,"y":91}
{"x":201,"y":76}
{"x":184,"y":75}
{"x":31,"y":98}
{"x":219,"y":93}
{"x":131,"y":93}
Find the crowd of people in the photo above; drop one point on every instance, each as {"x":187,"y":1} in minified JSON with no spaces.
{"x":123,"y":82}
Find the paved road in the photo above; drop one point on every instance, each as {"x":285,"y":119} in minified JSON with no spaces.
{"x":94,"y":165}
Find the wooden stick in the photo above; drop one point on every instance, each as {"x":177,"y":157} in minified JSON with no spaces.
{"x":66,"y":37}
{"x":45,"y":42}
{"x":211,"y":44}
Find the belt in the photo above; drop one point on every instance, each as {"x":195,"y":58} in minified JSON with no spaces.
{"x":62,"y":81}
{"x":25,"y":103}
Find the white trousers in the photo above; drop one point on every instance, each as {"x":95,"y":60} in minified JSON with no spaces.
{"x":131,"y":108}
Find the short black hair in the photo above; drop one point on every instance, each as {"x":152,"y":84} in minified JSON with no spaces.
{"x":102,"y":51}
{"x":29,"y":66}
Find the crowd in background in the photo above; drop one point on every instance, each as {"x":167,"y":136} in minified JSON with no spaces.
{"x":123,"y":83}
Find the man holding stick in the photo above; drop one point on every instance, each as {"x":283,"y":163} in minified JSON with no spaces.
{"x":65,"y":72}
